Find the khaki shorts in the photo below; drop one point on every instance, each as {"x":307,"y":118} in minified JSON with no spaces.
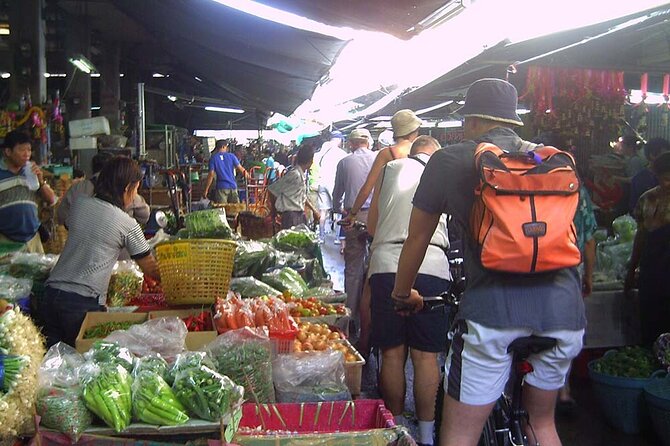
{"x":34,"y":245}
{"x":226,"y":196}
{"x":478,"y":364}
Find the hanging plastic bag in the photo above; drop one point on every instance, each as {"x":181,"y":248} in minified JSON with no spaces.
{"x":310,"y":377}
{"x":125,"y":283}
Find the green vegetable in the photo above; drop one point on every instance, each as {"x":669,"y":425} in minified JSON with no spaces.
{"x":625,"y":227}
{"x":251,"y":287}
{"x":299,"y":238}
{"x":152,"y":363}
{"x":628,"y":362}
{"x":154,"y":402}
{"x":110,"y":353}
{"x":210,"y":223}
{"x":108,"y":396}
{"x":13,"y":366}
{"x":64,"y":410}
{"x":187,"y":360}
{"x":286,"y":279}
{"x":250,"y":257}
{"x":207,"y":394}
{"x":103,"y":329}
{"x":124,"y":286}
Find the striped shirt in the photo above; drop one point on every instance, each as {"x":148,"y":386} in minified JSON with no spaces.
{"x":352,"y":171}
{"x":19,"y":220}
{"x":98,"y":231}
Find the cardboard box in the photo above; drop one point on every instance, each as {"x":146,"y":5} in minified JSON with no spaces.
{"x":89,"y":127}
{"x":83,"y":143}
{"x":94,"y":318}
{"x":195,"y":340}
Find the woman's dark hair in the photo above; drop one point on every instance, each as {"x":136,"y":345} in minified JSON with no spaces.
{"x":99,"y":161}
{"x":117,"y":174}
{"x":305,"y":155}
{"x":656,"y":146}
{"x":662,"y":164}
{"x":14,"y":138}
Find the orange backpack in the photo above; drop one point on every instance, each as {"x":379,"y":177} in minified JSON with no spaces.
{"x":524,"y":207}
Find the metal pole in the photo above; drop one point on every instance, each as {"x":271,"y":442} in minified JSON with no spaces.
{"x":141,"y":122}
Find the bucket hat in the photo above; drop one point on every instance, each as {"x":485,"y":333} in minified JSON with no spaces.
{"x":492,"y":99}
{"x":404,"y":122}
{"x":360,"y":134}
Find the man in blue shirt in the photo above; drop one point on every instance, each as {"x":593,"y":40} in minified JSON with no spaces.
{"x":222,"y":165}
{"x":19,"y":219}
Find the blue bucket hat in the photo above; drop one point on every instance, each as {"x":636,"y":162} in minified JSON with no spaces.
{"x":492,"y":99}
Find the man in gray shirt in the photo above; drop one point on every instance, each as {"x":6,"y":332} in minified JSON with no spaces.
{"x":351,"y":174}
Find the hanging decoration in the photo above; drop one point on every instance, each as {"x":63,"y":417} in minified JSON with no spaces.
{"x":641,"y":109}
{"x":665,"y":107}
{"x":575,"y":102}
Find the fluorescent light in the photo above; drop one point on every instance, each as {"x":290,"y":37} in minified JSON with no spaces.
{"x":381,"y":118}
{"x":172,"y":98}
{"x":4,"y":30}
{"x":5,"y":75}
{"x":95,"y":74}
{"x":652,"y":98}
{"x":522,"y":111}
{"x":157,"y":75}
{"x":224,"y":109}
{"x":121,"y":74}
{"x":198,"y":79}
{"x":82,"y":63}
{"x":460,"y":102}
{"x":95,"y":108}
{"x":434,"y":107}
{"x":449,"y":124}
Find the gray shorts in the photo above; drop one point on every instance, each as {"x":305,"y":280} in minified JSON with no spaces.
{"x":226,"y":196}
{"x":324,"y":199}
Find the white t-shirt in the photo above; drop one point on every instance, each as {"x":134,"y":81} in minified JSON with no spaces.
{"x":400,"y":180}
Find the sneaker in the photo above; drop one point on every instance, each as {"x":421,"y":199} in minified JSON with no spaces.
{"x":337,"y":241}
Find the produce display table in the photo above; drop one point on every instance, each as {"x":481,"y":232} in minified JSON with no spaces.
{"x":612,"y":319}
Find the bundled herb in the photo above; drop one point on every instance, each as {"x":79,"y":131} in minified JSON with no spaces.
{"x":628,"y":362}
{"x":188,"y":360}
{"x":210,"y":223}
{"x":12,"y":365}
{"x":62,"y":409}
{"x":107,"y":394}
{"x":207,"y":394}
{"x":151,"y":363}
{"x":154,"y":402}
{"x":104,"y":329}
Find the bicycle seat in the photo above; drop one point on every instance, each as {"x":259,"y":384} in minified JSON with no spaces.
{"x":524,"y":347}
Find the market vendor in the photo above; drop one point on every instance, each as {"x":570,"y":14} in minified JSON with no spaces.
{"x":651,"y":253}
{"x":222,"y":165}
{"x":19,"y":218}
{"x":288,"y":195}
{"x":99,"y":229}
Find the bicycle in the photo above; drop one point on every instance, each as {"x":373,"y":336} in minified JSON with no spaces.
{"x":505,"y":425}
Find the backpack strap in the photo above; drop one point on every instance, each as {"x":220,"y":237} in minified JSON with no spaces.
{"x":416,"y":158}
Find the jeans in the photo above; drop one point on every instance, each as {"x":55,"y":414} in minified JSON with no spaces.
{"x":62,"y":313}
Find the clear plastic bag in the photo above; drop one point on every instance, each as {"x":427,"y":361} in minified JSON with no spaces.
{"x":188,"y":360}
{"x":60,"y":367}
{"x":249,"y":258}
{"x":63,"y":409}
{"x":108,"y":352}
{"x":210,"y":223}
{"x":286,"y":279}
{"x":125,"y":283}
{"x":32,"y":266}
{"x":106,"y":393}
{"x":13,"y":289}
{"x":165,"y":336}
{"x":310,"y":377}
{"x":244,"y":355}
{"x":154,"y":402}
{"x":152,"y":363}
{"x":252,"y":287}
{"x":206,"y":393}
{"x":298,"y":238}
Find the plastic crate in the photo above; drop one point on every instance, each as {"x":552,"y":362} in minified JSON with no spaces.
{"x":334,"y":416}
{"x":657,"y":396}
{"x":621,"y":400}
{"x":282,"y":343}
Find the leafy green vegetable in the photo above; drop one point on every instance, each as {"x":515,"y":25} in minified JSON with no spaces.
{"x":625,"y":227}
{"x":628,"y":362}
{"x":298,"y":238}
{"x":248,"y":256}
{"x":286,"y":279}
{"x":252,"y":287}
{"x":152,"y":363}
{"x":110,"y":353}
{"x":188,"y":360}
{"x":210,"y":223}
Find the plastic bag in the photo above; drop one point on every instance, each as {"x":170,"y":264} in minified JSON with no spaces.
{"x":326,"y":295}
{"x":625,"y":227}
{"x":244,"y":356}
{"x":152,"y":363}
{"x":286,"y":279}
{"x":108,"y":352}
{"x":107,"y":393}
{"x":165,"y":336}
{"x":298,"y":238}
{"x":13,"y":289}
{"x":188,"y":360}
{"x":249,"y":258}
{"x":207,"y":394}
{"x":36,"y":267}
{"x":60,"y":367}
{"x":154,"y":402}
{"x":210,"y":223}
{"x":63,"y":409}
{"x":661,"y":349}
{"x":310,"y":377}
{"x":125,"y":283}
{"x":252,"y":287}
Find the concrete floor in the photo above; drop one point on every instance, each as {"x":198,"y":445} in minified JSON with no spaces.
{"x":585,"y":426}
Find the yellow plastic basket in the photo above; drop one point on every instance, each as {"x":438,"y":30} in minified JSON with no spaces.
{"x":195,"y":271}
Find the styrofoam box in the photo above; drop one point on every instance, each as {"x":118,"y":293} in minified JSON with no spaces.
{"x":83,"y":143}
{"x":89,"y":127}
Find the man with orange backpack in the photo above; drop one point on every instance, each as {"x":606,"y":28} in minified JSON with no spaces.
{"x":514,"y":202}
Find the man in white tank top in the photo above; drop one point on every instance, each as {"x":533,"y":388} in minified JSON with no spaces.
{"x":423,"y":334}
